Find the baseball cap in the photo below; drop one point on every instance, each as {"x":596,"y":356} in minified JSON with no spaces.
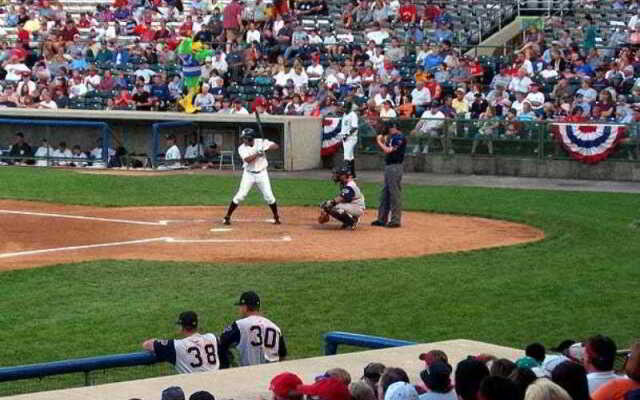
{"x":401,"y":391}
{"x":433,"y":355}
{"x":202,"y":395}
{"x":284,"y":383}
{"x":437,"y":376}
{"x":188,"y":319}
{"x":326,"y":389}
{"x":173,"y":393}
{"x":249,"y":298}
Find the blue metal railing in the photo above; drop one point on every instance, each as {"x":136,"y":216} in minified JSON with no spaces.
{"x":85,"y":365}
{"x":333,"y":339}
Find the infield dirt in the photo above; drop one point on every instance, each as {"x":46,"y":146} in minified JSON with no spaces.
{"x":79,"y":233}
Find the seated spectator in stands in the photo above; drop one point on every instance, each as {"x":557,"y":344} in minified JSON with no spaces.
{"x":407,"y":12}
{"x":521,"y":377}
{"x":61,"y":99}
{"x":498,"y":388}
{"x":390,"y":376}
{"x":77,"y":86}
{"x":583,"y":105}
{"x":327,"y":388}
{"x":544,"y":389}
{"x":604,"y":108}
{"x":406,"y":108}
{"x":478,"y":106}
{"x":26,"y":82}
{"x":437,"y":379}
{"x":141,"y":97}
{"x":588,"y":93}
{"x":520,"y":83}
{"x":487,"y":131}
{"x":92,"y":81}
{"x":284,"y":385}
{"x":62,"y":151}
{"x":621,"y":388}
{"x":536,"y":98}
{"x":238,"y":108}
{"x":527,"y":114}
{"x":561,"y":90}
{"x":387,"y":111}
{"x":599,"y":357}
{"x":219,"y":63}
{"x":501,"y":78}
{"x":159,"y":92}
{"x":145,"y":73}
{"x":430,"y":127}
{"x":443,"y":33}
{"x":372,"y":373}
{"x":421,"y":96}
{"x":46,"y":102}
{"x":175,"y":88}
{"x":395,"y":51}
{"x":401,"y":391}
{"x":123,"y":100}
{"x":204,"y":99}
{"x":468,"y":377}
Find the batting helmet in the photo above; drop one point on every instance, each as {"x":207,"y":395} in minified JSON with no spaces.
{"x":248,"y":133}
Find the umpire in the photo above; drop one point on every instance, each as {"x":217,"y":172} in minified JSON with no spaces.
{"x":393,"y":144}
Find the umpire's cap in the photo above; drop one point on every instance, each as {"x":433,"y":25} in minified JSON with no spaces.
{"x":248,"y":133}
{"x":250,"y":299}
{"x":188,"y":319}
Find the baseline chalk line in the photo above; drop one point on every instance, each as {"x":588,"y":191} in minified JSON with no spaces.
{"x":285,"y":238}
{"x":82,"y":247}
{"x":81,"y":217}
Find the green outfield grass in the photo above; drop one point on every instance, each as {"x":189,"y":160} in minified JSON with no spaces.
{"x":582,"y":279}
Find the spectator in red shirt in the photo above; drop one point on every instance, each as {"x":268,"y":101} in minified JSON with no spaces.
{"x":431,"y":12}
{"x":232,"y":19}
{"x":187,"y":27}
{"x":23,"y":35}
{"x":407,"y":12}
{"x":69,"y":31}
{"x":84,"y":21}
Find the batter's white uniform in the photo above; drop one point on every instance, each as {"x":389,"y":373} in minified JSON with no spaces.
{"x":349,"y":122}
{"x":195,"y":353}
{"x":255,"y":172}
{"x":257,"y":339}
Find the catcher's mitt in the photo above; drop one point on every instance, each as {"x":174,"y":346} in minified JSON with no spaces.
{"x":323,"y":218}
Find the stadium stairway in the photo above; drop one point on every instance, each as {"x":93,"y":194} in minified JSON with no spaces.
{"x":251,"y":382}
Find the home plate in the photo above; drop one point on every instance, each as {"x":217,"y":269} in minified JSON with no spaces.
{"x":220,"y":230}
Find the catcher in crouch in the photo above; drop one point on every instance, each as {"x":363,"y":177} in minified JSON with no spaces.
{"x":348,"y":206}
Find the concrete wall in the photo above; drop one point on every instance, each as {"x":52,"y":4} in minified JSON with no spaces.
{"x":510,"y":166}
{"x":299,"y":137}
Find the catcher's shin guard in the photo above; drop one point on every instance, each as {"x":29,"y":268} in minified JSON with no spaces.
{"x":341,"y":216}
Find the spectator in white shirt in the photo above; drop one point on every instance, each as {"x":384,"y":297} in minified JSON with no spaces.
{"x":219,"y":63}
{"x":281,"y":77}
{"x":204,"y":99}
{"x":634,"y":19}
{"x":253,"y":35}
{"x":430,"y":125}
{"x":238,"y":108}
{"x":387,"y":110}
{"x":298,"y":76}
{"x":520,"y":83}
{"x":599,"y":358}
{"x":314,"y":38}
{"x":421,"y":96}
{"x":26,"y":80}
{"x":535,"y":98}
{"x":315,"y":70}
{"x":377,"y":34}
{"x":47,"y":102}
{"x":78,"y":88}
{"x":382,"y":96}
{"x":518,"y":104}
{"x":92,"y":81}
{"x":354,"y":78}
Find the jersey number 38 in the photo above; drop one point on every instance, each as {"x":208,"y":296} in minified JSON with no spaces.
{"x":263,"y":336}
{"x":210,"y":353}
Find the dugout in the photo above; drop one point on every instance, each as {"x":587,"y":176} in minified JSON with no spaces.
{"x":299,"y":137}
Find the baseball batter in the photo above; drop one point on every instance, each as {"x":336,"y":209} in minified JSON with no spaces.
{"x":349,"y":205}
{"x":252,"y":151}
{"x":194,"y":353}
{"x":349,"y":134}
{"x":257,"y":339}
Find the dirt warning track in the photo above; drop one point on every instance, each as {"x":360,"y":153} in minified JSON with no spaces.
{"x":39,"y":234}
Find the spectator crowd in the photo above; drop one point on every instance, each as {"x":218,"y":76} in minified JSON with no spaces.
{"x":575,"y":371}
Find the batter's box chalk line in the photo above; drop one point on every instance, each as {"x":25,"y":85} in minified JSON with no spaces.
{"x":284,"y":238}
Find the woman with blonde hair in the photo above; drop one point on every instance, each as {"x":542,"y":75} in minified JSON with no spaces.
{"x":544,"y":389}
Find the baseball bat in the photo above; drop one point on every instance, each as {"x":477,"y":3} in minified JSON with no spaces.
{"x":260,"y":130}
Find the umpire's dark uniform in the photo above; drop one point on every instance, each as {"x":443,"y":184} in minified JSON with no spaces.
{"x":391,"y":196}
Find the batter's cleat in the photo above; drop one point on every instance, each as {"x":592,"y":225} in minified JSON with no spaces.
{"x":393,"y":225}
{"x":276,"y":221}
{"x":378,"y":223}
{"x":226,"y":221}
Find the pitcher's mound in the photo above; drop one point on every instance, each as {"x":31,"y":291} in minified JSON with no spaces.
{"x":42,"y":234}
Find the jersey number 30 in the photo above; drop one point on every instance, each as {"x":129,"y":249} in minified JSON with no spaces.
{"x":270,"y":337}
{"x":210,"y":352}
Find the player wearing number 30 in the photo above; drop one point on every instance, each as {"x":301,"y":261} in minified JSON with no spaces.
{"x":194,"y":353}
{"x":257,"y":339}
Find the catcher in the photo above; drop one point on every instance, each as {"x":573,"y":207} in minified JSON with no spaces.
{"x":348,"y":206}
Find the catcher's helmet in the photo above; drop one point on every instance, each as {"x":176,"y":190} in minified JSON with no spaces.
{"x":248,"y":133}
{"x":338,"y":172}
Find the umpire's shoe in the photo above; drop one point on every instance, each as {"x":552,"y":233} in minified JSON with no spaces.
{"x":377,"y":223}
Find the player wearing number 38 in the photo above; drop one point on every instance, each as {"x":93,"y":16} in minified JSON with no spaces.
{"x":195,"y":352}
{"x":257,"y":339}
